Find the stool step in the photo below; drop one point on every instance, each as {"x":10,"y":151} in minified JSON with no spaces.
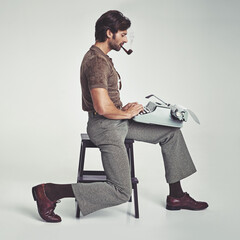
{"x":92,"y":178}
{"x":99,"y":178}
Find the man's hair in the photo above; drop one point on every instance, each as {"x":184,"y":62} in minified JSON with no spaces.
{"x":112,"y":20}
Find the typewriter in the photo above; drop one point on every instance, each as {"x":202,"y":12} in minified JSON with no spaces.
{"x":164,"y":114}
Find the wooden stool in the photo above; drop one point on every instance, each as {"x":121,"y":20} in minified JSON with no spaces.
{"x":99,"y":176}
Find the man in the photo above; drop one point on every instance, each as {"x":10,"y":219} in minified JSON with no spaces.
{"x":108,"y":125}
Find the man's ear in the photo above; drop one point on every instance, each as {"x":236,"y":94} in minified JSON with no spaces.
{"x":109,"y":33}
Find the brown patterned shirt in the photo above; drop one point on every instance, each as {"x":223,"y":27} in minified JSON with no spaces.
{"x":97,"y":71}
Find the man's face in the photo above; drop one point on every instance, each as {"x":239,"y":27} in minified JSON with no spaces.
{"x":116,"y":40}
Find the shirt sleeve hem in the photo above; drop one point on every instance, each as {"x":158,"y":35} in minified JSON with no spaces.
{"x":98,"y":86}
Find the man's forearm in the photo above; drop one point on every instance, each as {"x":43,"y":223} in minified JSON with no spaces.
{"x":121,"y":114}
{"x":115,"y":113}
{"x":104,"y":106}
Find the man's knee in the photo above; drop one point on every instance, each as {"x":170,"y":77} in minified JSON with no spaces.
{"x":126,"y":194}
{"x":173,"y":134}
{"x":177,"y":131}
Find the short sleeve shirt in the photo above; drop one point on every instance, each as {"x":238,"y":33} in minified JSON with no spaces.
{"x":97,"y":71}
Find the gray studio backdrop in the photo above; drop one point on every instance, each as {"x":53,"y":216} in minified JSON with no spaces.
{"x":185,"y":52}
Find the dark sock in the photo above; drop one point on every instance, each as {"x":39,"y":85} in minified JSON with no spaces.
{"x":58,"y":191}
{"x":175,"y":190}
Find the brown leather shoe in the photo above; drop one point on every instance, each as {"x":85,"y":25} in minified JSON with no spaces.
{"x":45,"y":205}
{"x":185,"y":202}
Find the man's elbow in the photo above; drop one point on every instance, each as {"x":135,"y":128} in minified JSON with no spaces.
{"x":101,"y":110}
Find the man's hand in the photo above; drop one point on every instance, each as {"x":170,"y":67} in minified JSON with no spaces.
{"x":126,"y":107}
{"x":133,"y":108}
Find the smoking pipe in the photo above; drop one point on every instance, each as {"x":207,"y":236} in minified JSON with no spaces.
{"x":127,"y":51}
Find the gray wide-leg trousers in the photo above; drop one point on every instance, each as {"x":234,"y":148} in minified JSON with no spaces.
{"x":109,"y":136}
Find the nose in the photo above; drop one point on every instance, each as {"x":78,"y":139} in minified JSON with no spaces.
{"x":125,"y":39}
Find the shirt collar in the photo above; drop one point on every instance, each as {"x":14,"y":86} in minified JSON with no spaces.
{"x":99,"y":51}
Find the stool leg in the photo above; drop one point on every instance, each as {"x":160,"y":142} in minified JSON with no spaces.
{"x":132,"y":169}
{"x":80,"y":172}
{"x":129,"y":159}
{"x":136,"y":201}
{"x":77,"y":210}
{"x":81,"y":160}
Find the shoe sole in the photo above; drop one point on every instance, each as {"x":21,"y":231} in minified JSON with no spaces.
{"x":173,"y":208}
{"x":179,"y":208}
{"x":34,"y":194}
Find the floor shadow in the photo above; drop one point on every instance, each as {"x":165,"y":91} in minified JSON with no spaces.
{"x":27,"y":211}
